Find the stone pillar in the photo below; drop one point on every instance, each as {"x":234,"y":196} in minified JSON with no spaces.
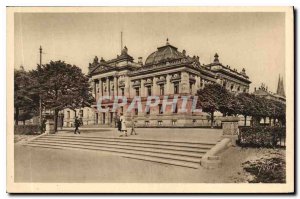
{"x":168,"y":85}
{"x":50,"y":126}
{"x":155,"y":87}
{"x":194,"y":89}
{"x":127,"y":87}
{"x":100,"y":86}
{"x":184,"y":84}
{"x":142,"y":92}
{"x":230,"y":126}
{"x":115,"y":86}
{"x":132,"y":90}
{"x":197,"y":84}
{"x":95,"y":88}
{"x":107,"y":86}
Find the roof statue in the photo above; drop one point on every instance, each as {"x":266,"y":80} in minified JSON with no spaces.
{"x":124,"y":51}
{"x":167,"y":43}
{"x":96,"y":59}
{"x":102,"y":60}
{"x":216,"y":60}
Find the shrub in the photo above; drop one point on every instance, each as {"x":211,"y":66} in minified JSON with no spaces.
{"x":26,"y":129}
{"x":267,"y":170}
{"x":261,"y":136}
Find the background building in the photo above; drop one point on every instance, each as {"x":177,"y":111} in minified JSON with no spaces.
{"x":263,"y":91}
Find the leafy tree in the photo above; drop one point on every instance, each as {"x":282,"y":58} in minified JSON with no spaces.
{"x":214,"y":97}
{"x":277,"y":110}
{"x":247,"y":105}
{"x":24,"y":99}
{"x":61,"y":85}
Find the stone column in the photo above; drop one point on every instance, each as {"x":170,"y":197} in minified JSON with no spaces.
{"x":115,"y":86}
{"x":131,"y":90}
{"x":155,"y":87}
{"x":127,"y":87}
{"x":168,"y":85}
{"x":184,"y":84}
{"x":197,"y":83}
{"x":100,"y":87}
{"x":142,"y":88}
{"x":95,"y":88}
{"x":107,"y":86}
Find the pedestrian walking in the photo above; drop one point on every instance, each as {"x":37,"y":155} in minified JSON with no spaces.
{"x":77,"y":124}
{"x":123,"y":124}
{"x":119,"y":125}
{"x":133,"y":127}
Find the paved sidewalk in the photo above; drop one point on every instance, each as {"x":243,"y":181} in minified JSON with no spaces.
{"x":170,"y":134}
{"x":65,"y":166}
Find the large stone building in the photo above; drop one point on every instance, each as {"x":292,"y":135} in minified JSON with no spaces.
{"x":165,"y":72}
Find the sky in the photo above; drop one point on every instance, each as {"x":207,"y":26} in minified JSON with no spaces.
{"x":254,"y":41}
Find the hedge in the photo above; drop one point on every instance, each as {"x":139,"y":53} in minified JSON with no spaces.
{"x":26,"y":129}
{"x":262,"y":136}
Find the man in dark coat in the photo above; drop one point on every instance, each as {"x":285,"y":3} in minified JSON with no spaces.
{"x":77,"y":124}
{"x":119,"y":124}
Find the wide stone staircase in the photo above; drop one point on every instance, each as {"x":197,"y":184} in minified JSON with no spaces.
{"x":179,"y":153}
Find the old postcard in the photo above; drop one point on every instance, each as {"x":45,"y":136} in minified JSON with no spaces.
{"x":150,"y":100}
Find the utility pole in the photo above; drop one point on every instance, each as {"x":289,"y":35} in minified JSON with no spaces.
{"x":121,"y":41}
{"x":40,"y":101}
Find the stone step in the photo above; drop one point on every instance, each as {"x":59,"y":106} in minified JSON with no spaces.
{"x":207,"y":145}
{"x":137,"y":144}
{"x":138,"y":152}
{"x":128,"y":147}
{"x":148,"y":156}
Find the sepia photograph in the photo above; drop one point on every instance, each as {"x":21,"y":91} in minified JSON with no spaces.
{"x":150,"y":100}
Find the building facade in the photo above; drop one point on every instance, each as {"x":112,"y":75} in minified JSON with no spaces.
{"x":165,"y":72}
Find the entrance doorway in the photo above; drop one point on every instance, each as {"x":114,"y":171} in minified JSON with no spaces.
{"x":96,"y":118}
{"x":103,"y":118}
{"x":111,"y":117}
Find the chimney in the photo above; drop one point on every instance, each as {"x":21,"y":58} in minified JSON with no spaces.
{"x":140,"y":60}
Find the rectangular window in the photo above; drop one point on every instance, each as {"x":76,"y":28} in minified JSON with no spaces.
{"x":148,"y":110}
{"x":137,"y":92}
{"x":68,"y":115}
{"x":149,"y":90}
{"x":162,"y":90}
{"x":160,"y":109}
{"x":176,"y":109}
{"x":176,"y":88}
{"x":122,"y":91}
{"x":81,"y":113}
{"x":191,"y":87}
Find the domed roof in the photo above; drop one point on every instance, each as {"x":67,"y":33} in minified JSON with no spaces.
{"x":164,"y":53}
